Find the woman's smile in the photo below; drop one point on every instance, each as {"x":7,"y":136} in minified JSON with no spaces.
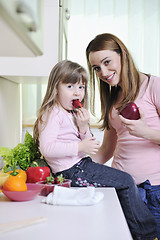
{"x":110,"y":78}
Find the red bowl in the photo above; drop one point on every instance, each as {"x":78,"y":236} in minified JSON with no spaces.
{"x":48,"y":188}
{"x":20,"y":196}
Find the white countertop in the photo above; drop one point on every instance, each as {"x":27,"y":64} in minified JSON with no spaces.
{"x":103,"y":221}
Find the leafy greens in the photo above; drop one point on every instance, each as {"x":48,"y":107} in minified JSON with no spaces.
{"x":22,"y":155}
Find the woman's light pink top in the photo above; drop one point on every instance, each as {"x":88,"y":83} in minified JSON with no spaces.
{"x":138,"y":156}
{"x":59,"y":140}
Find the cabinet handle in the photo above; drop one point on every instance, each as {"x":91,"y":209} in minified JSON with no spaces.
{"x":28,"y":14}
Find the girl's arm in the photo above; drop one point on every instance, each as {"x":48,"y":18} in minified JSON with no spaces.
{"x":107,"y":148}
{"x":82,"y":119}
{"x":139,"y":128}
{"x":89,"y":144}
{"x":50,"y":144}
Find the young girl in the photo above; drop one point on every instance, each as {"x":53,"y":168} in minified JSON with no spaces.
{"x":64,"y":139}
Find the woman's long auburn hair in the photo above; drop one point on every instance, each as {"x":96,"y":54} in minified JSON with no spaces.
{"x":129,"y":77}
{"x":63,"y":72}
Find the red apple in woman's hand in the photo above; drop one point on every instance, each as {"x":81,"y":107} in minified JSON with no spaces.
{"x":130,"y":111}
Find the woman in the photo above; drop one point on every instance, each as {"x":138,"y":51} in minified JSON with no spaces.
{"x":134,"y":144}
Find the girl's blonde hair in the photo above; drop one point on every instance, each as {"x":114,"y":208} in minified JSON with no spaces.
{"x":63,"y":72}
{"x":129,"y":77}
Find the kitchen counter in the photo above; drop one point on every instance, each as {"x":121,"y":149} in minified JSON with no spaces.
{"x":104,"y":221}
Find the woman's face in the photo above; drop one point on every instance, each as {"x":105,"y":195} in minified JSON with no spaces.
{"x":107,"y":65}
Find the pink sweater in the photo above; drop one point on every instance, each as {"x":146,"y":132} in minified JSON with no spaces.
{"x":137,"y":156}
{"x":59,"y":140}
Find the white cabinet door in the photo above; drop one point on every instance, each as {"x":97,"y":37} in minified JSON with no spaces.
{"x":39,"y":66}
{"x":21,"y":24}
{"x":10,"y":108}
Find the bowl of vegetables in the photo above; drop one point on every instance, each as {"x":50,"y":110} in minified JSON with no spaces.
{"x":16,"y":188}
{"x":19,"y":196}
{"x":47,"y":186}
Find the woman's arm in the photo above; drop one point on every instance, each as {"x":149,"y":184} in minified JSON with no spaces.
{"x":152,"y":134}
{"x":139,"y":128}
{"x":107,"y":148}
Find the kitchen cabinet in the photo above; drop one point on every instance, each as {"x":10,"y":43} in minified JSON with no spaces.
{"x":21,"y":25}
{"x":10,"y":113}
{"x":37,"y":68}
{"x":15,"y":71}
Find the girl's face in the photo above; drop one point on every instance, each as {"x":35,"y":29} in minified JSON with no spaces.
{"x":107,"y":65}
{"x":67,"y":92}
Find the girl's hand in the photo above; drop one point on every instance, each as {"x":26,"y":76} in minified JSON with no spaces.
{"x":83,"y":117}
{"x":89,"y":146}
{"x":136,"y":128}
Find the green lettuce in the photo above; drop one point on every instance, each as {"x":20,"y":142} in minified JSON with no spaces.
{"x":22,"y":155}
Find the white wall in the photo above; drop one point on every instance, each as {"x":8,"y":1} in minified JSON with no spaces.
{"x":10,"y":113}
{"x":135,"y":22}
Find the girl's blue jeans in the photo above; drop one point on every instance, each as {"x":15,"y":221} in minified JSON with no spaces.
{"x":88,"y":173}
{"x":151,"y":197}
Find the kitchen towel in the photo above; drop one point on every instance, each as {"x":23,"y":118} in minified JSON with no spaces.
{"x":73,"y":197}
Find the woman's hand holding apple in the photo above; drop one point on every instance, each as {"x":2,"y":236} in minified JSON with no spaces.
{"x":138,"y":127}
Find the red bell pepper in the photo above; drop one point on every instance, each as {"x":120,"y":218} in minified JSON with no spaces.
{"x":37,"y":174}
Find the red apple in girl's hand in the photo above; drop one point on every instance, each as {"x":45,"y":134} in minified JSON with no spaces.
{"x":77,"y":104}
{"x":130,"y":111}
